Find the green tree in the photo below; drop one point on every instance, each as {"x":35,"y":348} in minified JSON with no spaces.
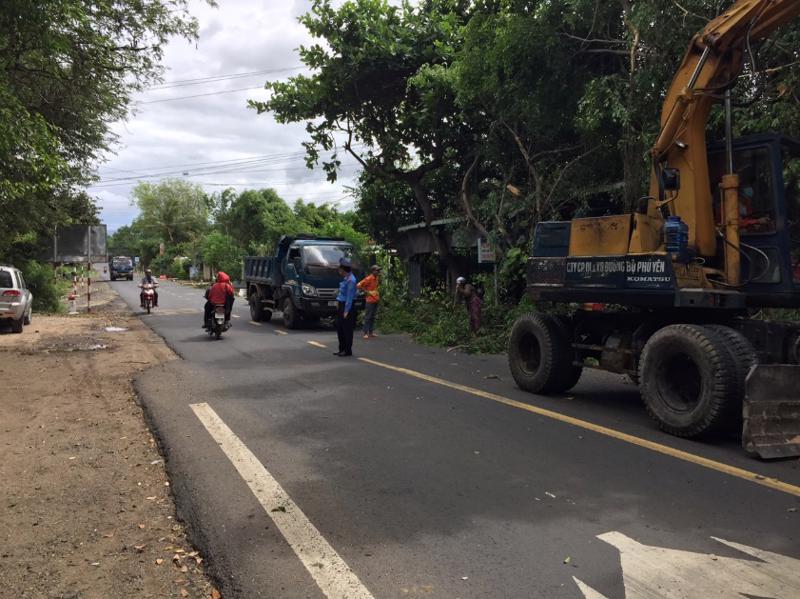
{"x":258,"y":218}
{"x":221,"y":252}
{"x":67,"y":72}
{"x":381,"y":83}
{"x":174,"y":211}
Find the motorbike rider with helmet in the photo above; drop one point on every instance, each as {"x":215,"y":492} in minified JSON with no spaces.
{"x":220,"y":293}
{"x":148,"y":279}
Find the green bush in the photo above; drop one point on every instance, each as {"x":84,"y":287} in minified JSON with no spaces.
{"x":434,"y":319}
{"x":47,"y":290}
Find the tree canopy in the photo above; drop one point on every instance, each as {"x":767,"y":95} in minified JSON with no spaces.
{"x":506,"y":111}
{"x":67,"y":72}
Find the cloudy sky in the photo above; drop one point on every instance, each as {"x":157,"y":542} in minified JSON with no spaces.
{"x":213,"y":138}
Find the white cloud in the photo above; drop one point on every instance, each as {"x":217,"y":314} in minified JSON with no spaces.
{"x":173,"y":138}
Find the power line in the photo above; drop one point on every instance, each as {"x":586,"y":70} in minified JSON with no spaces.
{"x":246,"y":163}
{"x":227,"y":91}
{"x":180,"y":168}
{"x":223,"y":77}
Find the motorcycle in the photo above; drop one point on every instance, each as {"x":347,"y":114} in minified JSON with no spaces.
{"x":148,"y":296}
{"x":218,"y":324}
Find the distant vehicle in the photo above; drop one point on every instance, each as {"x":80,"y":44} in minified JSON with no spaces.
{"x":121,"y":268}
{"x":16,"y":301}
{"x":301,"y":280}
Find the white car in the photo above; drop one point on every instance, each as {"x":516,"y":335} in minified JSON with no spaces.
{"x":16,"y":301}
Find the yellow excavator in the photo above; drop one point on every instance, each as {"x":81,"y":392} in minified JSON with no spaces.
{"x":677,"y":288}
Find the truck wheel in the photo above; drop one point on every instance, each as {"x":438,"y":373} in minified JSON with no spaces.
{"x":256,"y":312}
{"x":290,"y":316}
{"x":540,"y":355}
{"x":266,"y":315}
{"x":688,"y":379}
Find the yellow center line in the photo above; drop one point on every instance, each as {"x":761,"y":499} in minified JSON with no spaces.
{"x":316,"y":344}
{"x":254,"y":323}
{"x":765,"y":481}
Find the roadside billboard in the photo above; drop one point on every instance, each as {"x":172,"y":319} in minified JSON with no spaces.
{"x":80,"y":244}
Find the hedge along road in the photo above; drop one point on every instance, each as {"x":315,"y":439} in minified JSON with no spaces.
{"x":401,"y":485}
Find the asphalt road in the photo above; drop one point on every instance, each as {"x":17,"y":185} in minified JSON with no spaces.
{"x":413,"y":472}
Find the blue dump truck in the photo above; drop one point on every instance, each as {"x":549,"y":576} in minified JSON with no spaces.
{"x":301,"y":280}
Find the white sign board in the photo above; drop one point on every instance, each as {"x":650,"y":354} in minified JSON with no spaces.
{"x":486,"y":253}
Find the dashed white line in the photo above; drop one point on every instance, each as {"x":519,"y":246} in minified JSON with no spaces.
{"x":317,"y":344}
{"x":331,"y":573}
{"x":254,"y":323}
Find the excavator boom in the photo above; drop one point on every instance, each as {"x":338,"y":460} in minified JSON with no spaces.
{"x":710,"y":66}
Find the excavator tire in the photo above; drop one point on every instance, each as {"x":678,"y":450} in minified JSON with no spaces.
{"x":574,"y":373}
{"x":688,"y":380}
{"x":540,"y":355}
{"x":745,"y":357}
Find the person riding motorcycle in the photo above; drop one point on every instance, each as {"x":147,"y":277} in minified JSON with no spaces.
{"x":148,"y":279}
{"x":220,"y":293}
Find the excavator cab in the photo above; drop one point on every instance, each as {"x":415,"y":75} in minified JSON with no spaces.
{"x":769,"y":216}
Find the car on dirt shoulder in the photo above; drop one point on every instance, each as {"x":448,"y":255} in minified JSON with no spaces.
{"x":16,"y":301}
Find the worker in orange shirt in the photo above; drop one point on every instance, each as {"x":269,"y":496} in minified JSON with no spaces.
{"x":369,"y":285}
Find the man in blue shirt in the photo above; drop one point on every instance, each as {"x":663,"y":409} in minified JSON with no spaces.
{"x":346,"y":313}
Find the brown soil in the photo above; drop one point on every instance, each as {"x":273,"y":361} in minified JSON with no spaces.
{"x":85,"y":504}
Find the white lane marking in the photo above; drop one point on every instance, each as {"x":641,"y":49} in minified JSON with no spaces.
{"x":254,"y":323}
{"x":235,"y":315}
{"x":659,"y":573}
{"x":279,"y":332}
{"x":331,"y":573}
{"x":316,"y":344}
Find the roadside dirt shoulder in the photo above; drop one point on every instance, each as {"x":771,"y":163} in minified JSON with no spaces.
{"x":85,"y":505}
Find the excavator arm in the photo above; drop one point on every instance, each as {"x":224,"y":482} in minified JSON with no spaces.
{"x":710,"y":67}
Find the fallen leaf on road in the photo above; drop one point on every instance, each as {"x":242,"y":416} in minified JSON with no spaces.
{"x":215,"y":594}
{"x":108,"y":535}
{"x":280,"y":508}
{"x":491,"y":376}
{"x":549,"y":494}
{"x":792,"y":509}
{"x":159,"y":561}
{"x":184,"y":569}
{"x":151,"y":498}
{"x":465,"y":578}
{"x":141,"y":526}
{"x":140,"y":548}
{"x":567,"y":559}
{"x":95,"y":563}
{"x":184,"y":593}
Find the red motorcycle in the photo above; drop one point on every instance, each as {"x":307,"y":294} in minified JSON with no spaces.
{"x":148,"y":296}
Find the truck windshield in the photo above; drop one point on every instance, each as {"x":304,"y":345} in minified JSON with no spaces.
{"x":327,"y":255}
{"x":791,"y":191}
{"x":122,"y":263}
